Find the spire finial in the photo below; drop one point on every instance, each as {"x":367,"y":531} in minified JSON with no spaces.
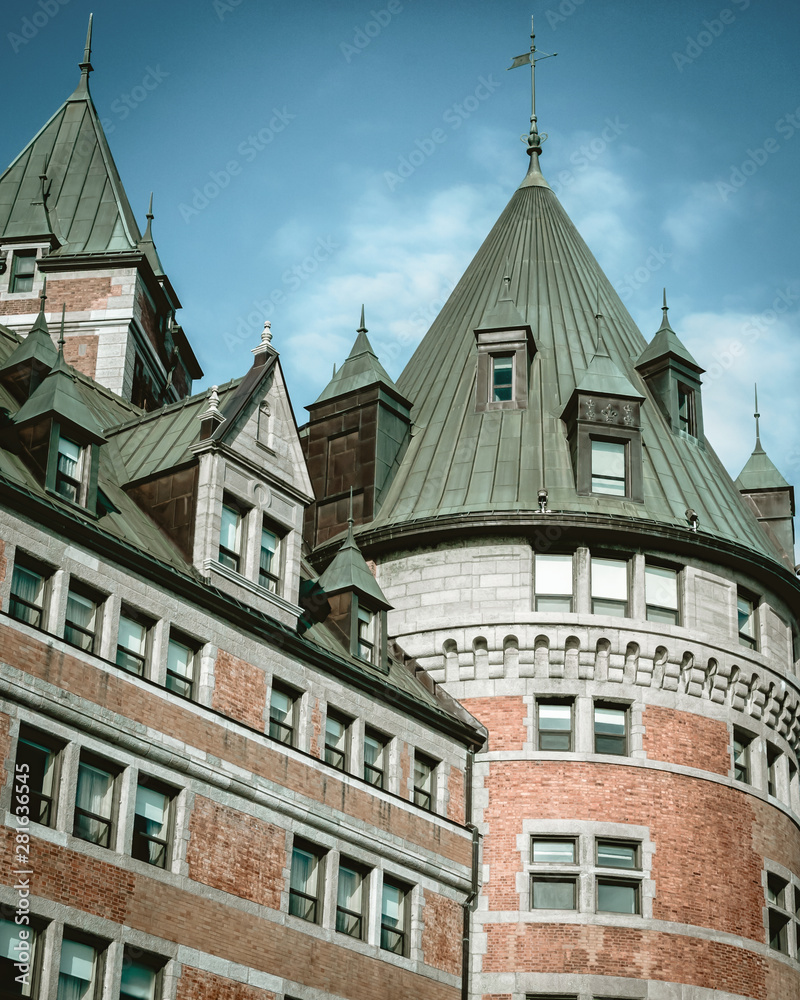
{"x":43,"y":294}
{"x":533,"y":139}
{"x":61,"y":338}
{"x":362,"y":328}
{"x":665,"y":307}
{"x":148,"y":233}
{"x":350,"y":519}
{"x":86,"y":66}
{"x":757,"y":415}
{"x":598,"y":317}
{"x":507,"y":282}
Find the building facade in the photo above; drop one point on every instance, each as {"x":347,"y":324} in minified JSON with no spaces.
{"x":484,"y":684}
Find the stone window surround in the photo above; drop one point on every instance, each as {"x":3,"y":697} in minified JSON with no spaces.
{"x":5,"y":279}
{"x":586,"y":834}
{"x":790,"y":909}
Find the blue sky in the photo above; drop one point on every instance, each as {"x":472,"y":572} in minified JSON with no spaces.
{"x":291,"y":152}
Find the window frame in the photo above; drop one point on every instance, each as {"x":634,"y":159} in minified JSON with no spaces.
{"x":274,"y":576}
{"x":111,"y":821}
{"x":634,"y":845}
{"x":15,"y":276}
{"x":541,"y":731}
{"x":338,"y":756}
{"x":362,"y":872}
{"x":567,"y":598}
{"x":383,"y":741}
{"x":315,"y":898}
{"x":153,"y":963}
{"x":74,"y":936}
{"x":366,"y":632}
{"x":293,"y":698}
{"x":748,"y":639}
{"x":400,"y":929}
{"x":174,"y":639}
{"x":32,"y":566}
{"x":136,"y":617}
{"x":422,"y":797}
{"x":34,"y":933}
{"x":545,"y":878}
{"x":742,"y":770}
{"x":605,"y":705}
{"x":554,"y":839}
{"x":79,"y":589}
{"x":625,"y":479}
{"x":68,"y":486}
{"x":604,"y":880}
{"x":141,"y":839}
{"x":494,"y":385}
{"x":625,"y":605}
{"x":232,"y":559}
{"x":687,"y":420}
{"x":674,"y":614}
{"x":42,"y":741}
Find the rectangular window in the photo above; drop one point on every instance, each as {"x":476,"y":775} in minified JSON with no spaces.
{"x":151,"y":824}
{"x":741,"y":756}
{"x":18,"y":944}
{"x":553,"y":892}
{"x":779,"y":931}
{"x":608,"y":468}
{"x":268,"y":575}
{"x":230,"y":537}
{"x":132,"y":644}
{"x":305,"y":883}
{"x":610,"y":587}
{"x":424,"y":781}
{"x":661,"y":595}
{"x":773,"y":757}
{"x":617,"y":896}
{"x":617,"y":854}
{"x":282,"y":707}
{"x":745,"y":609}
{"x":94,"y":804}
{"x":502,"y":377}
{"x":350,"y":900}
{"x":776,"y":889}
{"x":366,"y":634}
{"x":553,"y":851}
{"x":69,"y":470}
{"x":374,"y":762}
{"x":555,"y":725}
{"x":337,"y":738}
{"x":553,"y":582}
{"x":27,"y":595}
{"x":610,"y":729}
{"x":80,"y":624}
{"x":180,"y":667}
{"x":687,"y":420}
{"x":78,"y":972}
{"x":39,"y":755}
{"x":139,"y":980}
{"x":394,"y":906}
{"x":23,"y":269}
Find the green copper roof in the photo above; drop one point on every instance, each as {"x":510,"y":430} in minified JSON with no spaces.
{"x":759,"y":472}
{"x":666,"y":343}
{"x":460,"y":460}
{"x":85,"y":207}
{"x":349,"y":571}
{"x":360,"y":370}
{"x":37,"y":346}
{"x":604,"y":377}
{"x":59,"y":395}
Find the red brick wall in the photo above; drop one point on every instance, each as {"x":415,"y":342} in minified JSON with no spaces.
{"x":586,"y":950}
{"x":775,"y":836}
{"x":504,"y":717}
{"x":783,"y":982}
{"x":118,"y":694}
{"x":173,"y":914}
{"x":698,"y":828}
{"x":442,"y":933}
{"x":686,"y":738}
{"x":236,"y":853}
{"x":455,"y":802}
{"x":240,"y":690}
{"x":80,"y":294}
{"x":86,"y":362}
{"x":18,"y":307}
{"x":195,"y":984}
{"x":316,"y":730}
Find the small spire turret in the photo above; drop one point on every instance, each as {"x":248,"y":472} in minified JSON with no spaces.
{"x":85,"y":67}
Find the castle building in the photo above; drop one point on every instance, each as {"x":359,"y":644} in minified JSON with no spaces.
{"x":483,"y":684}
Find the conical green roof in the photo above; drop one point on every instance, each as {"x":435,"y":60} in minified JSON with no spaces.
{"x":360,"y":370}
{"x":349,"y":572}
{"x":666,"y":343}
{"x":463,"y":461}
{"x":760,"y":473}
{"x":59,"y":396}
{"x":38,"y":346}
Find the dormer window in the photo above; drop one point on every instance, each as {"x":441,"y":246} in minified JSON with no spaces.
{"x":502,"y":378}
{"x":69,"y":469}
{"x":366,"y":634}
{"x":609,"y":474}
{"x":687,"y":420}
{"x":230,"y":537}
{"x":23,"y":269}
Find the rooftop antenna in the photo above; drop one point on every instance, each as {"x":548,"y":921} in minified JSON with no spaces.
{"x":533,"y":139}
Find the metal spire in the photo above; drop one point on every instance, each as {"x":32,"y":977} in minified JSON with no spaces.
{"x":533,"y":139}
{"x":86,"y":66}
{"x":757,"y":415}
{"x":362,"y":328}
{"x":61,"y":339}
{"x":43,"y":294}
{"x":598,"y":316}
{"x":148,"y":233}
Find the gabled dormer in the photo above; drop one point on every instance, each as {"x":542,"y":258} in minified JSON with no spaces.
{"x":505,"y":350}
{"x":673,"y":377}
{"x":604,"y":430}
{"x":770,"y":498}
{"x":28,"y":365}
{"x":60,"y":436}
{"x":358,"y":605}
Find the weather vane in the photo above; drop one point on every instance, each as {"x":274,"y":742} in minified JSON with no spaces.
{"x":533,"y":139}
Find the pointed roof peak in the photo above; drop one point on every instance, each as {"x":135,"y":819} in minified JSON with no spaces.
{"x":534,"y":139}
{"x":82,"y":90}
{"x":503,"y":314}
{"x":362,"y":326}
{"x":348,"y":571}
{"x":666,"y":343}
{"x":757,"y":415}
{"x":147,"y":244}
{"x":360,"y":370}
